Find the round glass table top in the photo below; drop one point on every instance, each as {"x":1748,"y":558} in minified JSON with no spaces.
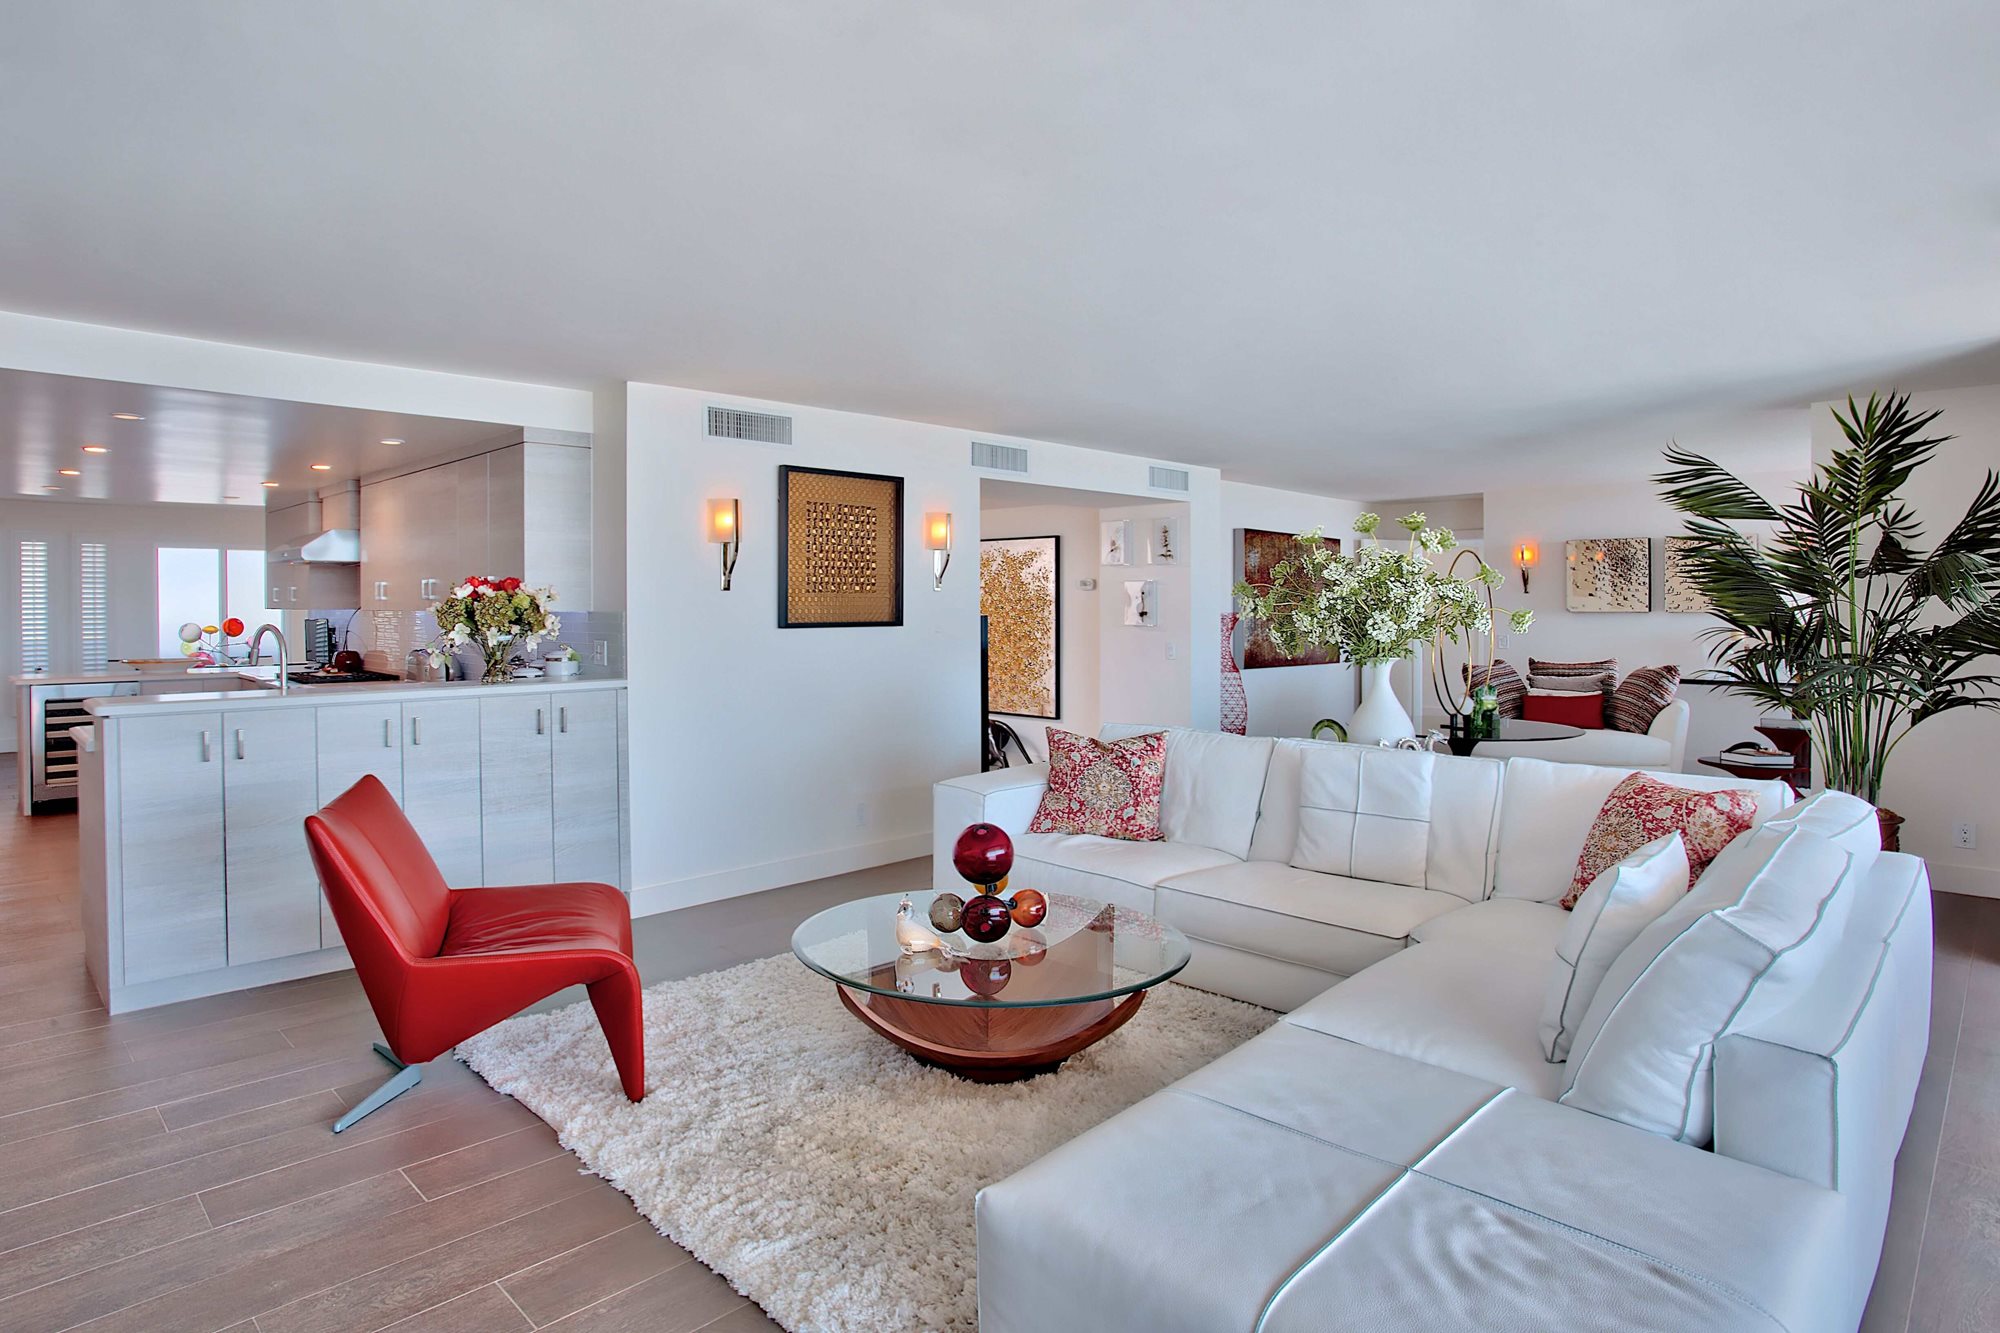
{"x":1522,"y":729}
{"x":1083,"y":950}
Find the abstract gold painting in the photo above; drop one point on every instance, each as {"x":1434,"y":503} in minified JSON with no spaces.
{"x":839,"y":548}
{"x":1019,"y":596}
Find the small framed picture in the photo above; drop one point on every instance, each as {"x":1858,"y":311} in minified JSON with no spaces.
{"x":1115,"y":542}
{"x":1163,"y":541}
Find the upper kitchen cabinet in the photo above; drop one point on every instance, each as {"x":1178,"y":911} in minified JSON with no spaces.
{"x":312,"y":551}
{"x":523,"y":509}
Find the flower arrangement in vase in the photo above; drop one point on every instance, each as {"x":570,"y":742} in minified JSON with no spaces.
{"x":498,"y":616}
{"x":1373,"y":606}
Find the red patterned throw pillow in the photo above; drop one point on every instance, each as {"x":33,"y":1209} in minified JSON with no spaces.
{"x":1111,"y":789}
{"x":1643,"y":808}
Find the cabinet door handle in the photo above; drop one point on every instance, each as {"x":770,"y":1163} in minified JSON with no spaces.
{"x":239,"y":742}
{"x":417,"y":730}
{"x":388,"y":741}
{"x":206,"y":752}
{"x":539,"y":725}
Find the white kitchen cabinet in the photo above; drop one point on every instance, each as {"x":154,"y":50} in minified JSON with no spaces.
{"x":585,"y":772}
{"x":296,"y":586}
{"x":388,"y":529}
{"x":539,"y":518}
{"x":270,"y":783}
{"x":169,"y":830}
{"x":517,"y":832}
{"x":356,"y":740}
{"x":442,"y":788}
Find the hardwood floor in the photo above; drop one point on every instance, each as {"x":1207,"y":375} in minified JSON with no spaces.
{"x":173,"y":1169}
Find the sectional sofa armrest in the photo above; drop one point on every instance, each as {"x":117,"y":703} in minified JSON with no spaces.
{"x":1671,"y":726}
{"x":1008,"y":797}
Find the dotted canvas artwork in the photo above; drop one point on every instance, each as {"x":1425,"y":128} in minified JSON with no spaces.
{"x":1608,"y":574}
{"x":1017,"y":595}
{"x":1682,"y":594}
{"x":841,"y":538}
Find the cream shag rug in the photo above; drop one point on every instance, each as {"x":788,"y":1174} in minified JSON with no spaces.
{"x":820,"y":1169}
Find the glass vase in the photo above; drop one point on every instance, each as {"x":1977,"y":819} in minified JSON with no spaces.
{"x":498,"y":670}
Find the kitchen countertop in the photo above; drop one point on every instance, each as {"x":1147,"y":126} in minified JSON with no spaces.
{"x":307,"y":696}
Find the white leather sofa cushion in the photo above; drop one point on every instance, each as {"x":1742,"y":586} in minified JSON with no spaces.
{"x":1365,"y":813}
{"x":1212,"y":785}
{"x":1455,"y":1004}
{"x":1107,"y":869}
{"x":1464,"y":831}
{"x":1330,"y":922}
{"x":1844,"y":820}
{"x":1622,"y":901}
{"x":1735,"y":950}
{"x":1548,"y":810}
{"x":1514,"y":925}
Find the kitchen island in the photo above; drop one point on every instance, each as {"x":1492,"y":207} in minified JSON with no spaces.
{"x":195,"y":874}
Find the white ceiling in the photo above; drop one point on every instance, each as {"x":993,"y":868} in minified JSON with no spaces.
{"x":198,"y":448}
{"x":1358,"y":248}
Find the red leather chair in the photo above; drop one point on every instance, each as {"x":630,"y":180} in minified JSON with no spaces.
{"x":440,"y":964}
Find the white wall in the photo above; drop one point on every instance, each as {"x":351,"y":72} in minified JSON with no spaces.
{"x":1949,"y":767}
{"x":1076,"y":611}
{"x":133,"y":534}
{"x":1550,"y":515}
{"x":1143,"y":670}
{"x":1286,"y":701}
{"x":762,"y":756}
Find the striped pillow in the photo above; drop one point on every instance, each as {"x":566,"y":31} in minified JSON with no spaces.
{"x":1537,"y":667}
{"x":1507,"y":685}
{"x":1641,"y":697}
{"x":1574,"y":684}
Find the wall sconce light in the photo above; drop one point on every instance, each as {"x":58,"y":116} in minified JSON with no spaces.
{"x":725,"y":524}
{"x":1525,"y":556}
{"x":937,"y":540}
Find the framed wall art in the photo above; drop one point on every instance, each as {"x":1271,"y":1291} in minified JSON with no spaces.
{"x":840,"y":548}
{"x":1608,"y":574}
{"x":1258,"y":551}
{"x":1020,"y":580}
{"x":1682,"y":595}
{"x":1163,"y":540}
{"x":1114,"y":542}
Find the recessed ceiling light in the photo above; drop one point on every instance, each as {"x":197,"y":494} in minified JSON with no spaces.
{"x":95,"y":449}
{"x":392,"y":440}
{"x":126,"y":416}
{"x":269,"y":485}
{"x":67,"y":472}
{"x":322,"y":467}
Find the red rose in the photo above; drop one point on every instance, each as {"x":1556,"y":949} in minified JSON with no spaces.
{"x":510,"y":585}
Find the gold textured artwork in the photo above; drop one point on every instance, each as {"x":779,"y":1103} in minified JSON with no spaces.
{"x":839,"y":559}
{"x":1018,"y":596}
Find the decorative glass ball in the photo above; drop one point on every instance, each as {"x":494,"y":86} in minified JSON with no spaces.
{"x":983,"y":854}
{"x":946,"y":911}
{"x":1029,"y":907}
{"x":986,"y":976}
{"x":985,"y":919}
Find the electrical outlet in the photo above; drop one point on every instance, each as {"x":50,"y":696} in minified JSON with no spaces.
{"x":600,"y":653}
{"x":861,"y":814}
{"x":1173,"y":650}
{"x":1965,"y":834}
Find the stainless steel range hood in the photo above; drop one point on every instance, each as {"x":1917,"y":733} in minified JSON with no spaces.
{"x":337,"y":517}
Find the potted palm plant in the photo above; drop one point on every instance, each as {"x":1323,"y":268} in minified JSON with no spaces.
{"x":1830,"y":611}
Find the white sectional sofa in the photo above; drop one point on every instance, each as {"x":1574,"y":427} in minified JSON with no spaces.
{"x":1661,"y":746}
{"x":1392,"y":1153}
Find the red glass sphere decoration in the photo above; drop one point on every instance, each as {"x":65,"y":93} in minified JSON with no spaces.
{"x":983,"y":854}
{"x":986,"y":976}
{"x":1028,"y":907}
{"x":947,"y":909}
{"x":986,"y":919}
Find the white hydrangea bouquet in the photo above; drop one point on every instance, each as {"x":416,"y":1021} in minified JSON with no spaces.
{"x":498,"y":616}
{"x":1374,"y":604}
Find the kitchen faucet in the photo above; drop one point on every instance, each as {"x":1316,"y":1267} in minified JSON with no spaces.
{"x":284,"y":653}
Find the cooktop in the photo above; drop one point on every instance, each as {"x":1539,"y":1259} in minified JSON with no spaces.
{"x":338,"y":677}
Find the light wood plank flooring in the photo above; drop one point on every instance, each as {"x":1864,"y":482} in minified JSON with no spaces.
{"x":172,"y":1169}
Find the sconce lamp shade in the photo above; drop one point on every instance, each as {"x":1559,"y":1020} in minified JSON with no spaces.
{"x":1525,"y":556}
{"x":937,"y":532}
{"x":725,"y":521}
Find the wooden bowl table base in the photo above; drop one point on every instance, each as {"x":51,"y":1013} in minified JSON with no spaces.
{"x":991,"y":1044}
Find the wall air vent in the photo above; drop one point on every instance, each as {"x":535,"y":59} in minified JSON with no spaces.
{"x":1167,"y":479}
{"x":730,"y":423}
{"x":999,"y":457}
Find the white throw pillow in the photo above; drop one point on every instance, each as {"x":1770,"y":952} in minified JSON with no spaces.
{"x":1846,"y":821}
{"x":1365,"y":813}
{"x":1619,"y":904}
{"x":1214,"y":782}
{"x":1740,"y":946}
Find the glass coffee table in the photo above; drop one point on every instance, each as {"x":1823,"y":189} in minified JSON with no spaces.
{"x":995,"y":1012}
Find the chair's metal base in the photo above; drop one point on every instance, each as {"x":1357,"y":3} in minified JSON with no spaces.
{"x":405,"y":1078}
